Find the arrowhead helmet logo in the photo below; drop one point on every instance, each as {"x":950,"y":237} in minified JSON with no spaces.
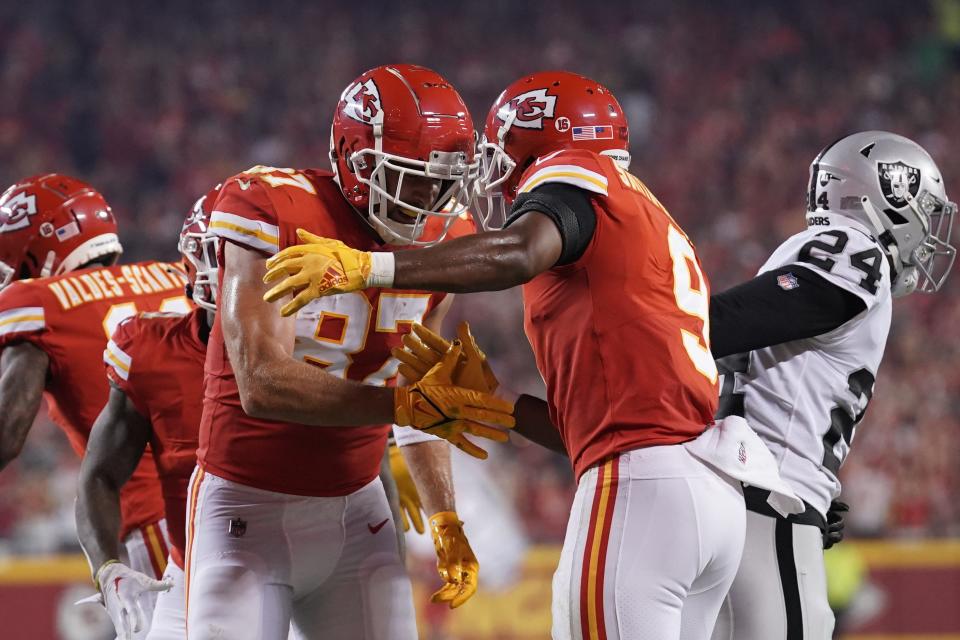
{"x":363,"y":102}
{"x":530,"y":107}
{"x":897,"y":179}
{"x":15,"y":213}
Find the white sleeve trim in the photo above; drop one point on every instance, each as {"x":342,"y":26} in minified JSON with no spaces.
{"x":22,"y":319}
{"x":405,"y":436}
{"x":252,"y":233}
{"x":567,"y":174}
{"x":118,"y":359}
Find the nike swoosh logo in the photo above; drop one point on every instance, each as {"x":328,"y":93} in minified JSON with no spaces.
{"x":547,"y":157}
{"x":375,"y":528}
{"x":244,"y":184}
{"x":936,"y":179}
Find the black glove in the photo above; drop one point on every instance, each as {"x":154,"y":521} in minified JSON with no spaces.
{"x":834,"y":532}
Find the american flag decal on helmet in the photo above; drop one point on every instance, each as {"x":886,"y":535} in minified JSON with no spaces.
{"x":593,"y":132}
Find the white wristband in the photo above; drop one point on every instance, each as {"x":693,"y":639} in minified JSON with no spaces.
{"x":381,"y":269}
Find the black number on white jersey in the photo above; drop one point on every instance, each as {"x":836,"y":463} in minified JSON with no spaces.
{"x":840,"y":241}
{"x":868,"y":261}
{"x":842,"y":423}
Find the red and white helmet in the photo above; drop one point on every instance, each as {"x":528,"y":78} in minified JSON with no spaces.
{"x":52,"y":224}
{"x":409,"y":121}
{"x":198,"y":246}
{"x":537,"y":115}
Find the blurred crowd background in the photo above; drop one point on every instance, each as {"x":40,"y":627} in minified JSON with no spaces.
{"x":728,"y":102}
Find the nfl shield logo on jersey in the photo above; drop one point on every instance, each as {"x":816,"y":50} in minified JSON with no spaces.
{"x":896,"y":180}
{"x":788,"y":281}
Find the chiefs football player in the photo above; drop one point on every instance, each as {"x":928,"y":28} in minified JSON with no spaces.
{"x":287,"y":520}
{"x":62,"y":297}
{"x":154,"y":363}
{"x":616,"y":310}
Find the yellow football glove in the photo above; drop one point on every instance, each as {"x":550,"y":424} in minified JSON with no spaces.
{"x":410,"y":505}
{"x":456,"y":563}
{"x":423,"y":349}
{"x":318,"y":267}
{"x":438,"y":407}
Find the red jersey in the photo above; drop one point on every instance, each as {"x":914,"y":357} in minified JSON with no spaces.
{"x":349,"y":335}
{"x":70,"y":317}
{"x":157,"y":360}
{"x":621,"y":336}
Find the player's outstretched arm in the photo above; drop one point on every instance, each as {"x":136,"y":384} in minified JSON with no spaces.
{"x":274,"y":385}
{"x":117,"y":442}
{"x":761,"y":312}
{"x":23,"y":377}
{"x":482,"y":262}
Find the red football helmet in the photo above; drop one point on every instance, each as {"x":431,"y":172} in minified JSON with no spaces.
{"x":408,"y":121}
{"x":199,"y":250}
{"x":52,"y":224}
{"x":540,"y":114}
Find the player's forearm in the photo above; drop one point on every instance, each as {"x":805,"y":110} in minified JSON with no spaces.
{"x":534,"y":424}
{"x":21,"y":390}
{"x":483,"y":262}
{"x":98,"y":518}
{"x":291,"y":391}
{"x":429,"y":464}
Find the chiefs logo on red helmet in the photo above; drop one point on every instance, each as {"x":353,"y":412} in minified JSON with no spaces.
{"x":15,"y":213}
{"x":363,"y":102}
{"x":530,"y":107}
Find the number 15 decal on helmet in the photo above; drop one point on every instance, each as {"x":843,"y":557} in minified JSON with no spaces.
{"x":537,"y":115}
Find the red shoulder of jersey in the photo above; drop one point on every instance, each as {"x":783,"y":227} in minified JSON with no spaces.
{"x":135,"y":344}
{"x":22,"y":313}
{"x":263,"y":207}
{"x":576,"y":167}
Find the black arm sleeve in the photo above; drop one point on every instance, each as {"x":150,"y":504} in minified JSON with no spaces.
{"x":570,"y":209}
{"x":760,"y":313}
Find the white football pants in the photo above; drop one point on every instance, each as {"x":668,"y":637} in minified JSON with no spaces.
{"x":258,"y":561}
{"x":652,"y":546}
{"x":170,"y":613}
{"x":780,"y":592}
{"x":146,"y":550}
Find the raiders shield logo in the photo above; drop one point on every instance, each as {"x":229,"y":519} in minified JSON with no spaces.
{"x":896,"y":181}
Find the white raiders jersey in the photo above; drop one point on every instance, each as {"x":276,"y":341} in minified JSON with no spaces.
{"x":804,"y":398}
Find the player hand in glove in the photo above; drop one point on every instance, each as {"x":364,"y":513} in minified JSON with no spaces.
{"x":410,"y":505}
{"x":455,"y":560}
{"x":834,"y":533}
{"x":437,"y":406}
{"x":319,"y":267}
{"x":423,"y":349}
{"x":120,"y":590}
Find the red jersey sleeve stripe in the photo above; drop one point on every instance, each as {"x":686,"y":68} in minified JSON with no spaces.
{"x":22,"y":319}
{"x":253,"y":233}
{"x":567,"y":174}
{"x":118,"y":359}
